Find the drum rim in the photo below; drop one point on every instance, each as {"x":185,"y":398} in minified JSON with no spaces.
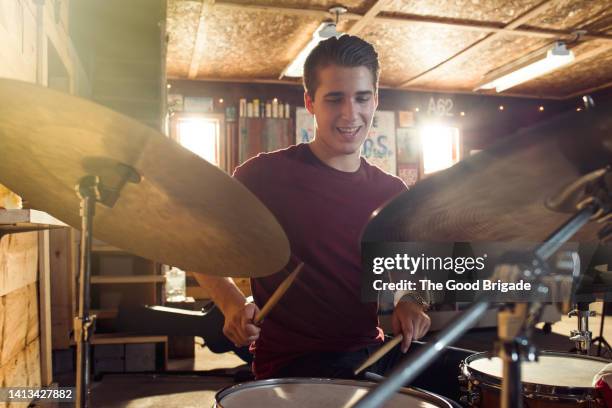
{"x":555,"y":392}
{"x":418,"y":393}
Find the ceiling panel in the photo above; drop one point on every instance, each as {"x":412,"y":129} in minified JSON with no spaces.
{"x":502,"y":11}
{"x":252,"y":44}
{"x":182,"y":21}
{"x":408,"y":49}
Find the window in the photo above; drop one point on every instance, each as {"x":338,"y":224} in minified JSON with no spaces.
{"x":202,"y":134}
{"x":440,"y":146}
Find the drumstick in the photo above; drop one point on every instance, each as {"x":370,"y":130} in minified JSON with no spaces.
{"x":278,"y":293}
{"x":380,"y":353}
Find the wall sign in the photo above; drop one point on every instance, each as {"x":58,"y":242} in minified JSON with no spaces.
{"x":440,"y":107}
{"x":379,"y":147}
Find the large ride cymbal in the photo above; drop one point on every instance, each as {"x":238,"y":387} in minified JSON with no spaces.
{"x":183,"y":211}
{"x":501,"y":194}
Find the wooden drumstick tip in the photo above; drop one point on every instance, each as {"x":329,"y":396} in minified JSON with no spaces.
{"x":278,"y":294}
{"x":380,"y":353}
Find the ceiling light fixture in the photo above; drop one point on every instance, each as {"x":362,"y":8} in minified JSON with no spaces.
{"x":326,"y":30}
{"x":526,"y":68}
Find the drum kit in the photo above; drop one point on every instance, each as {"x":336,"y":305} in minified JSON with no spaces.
{"x":131,"y":186}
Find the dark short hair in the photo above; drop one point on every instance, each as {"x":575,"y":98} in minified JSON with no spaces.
{"x":345,"y":51}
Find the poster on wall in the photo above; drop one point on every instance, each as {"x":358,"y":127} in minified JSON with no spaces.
{"x":408,"y":155}
{"x":409,"y":173}
{"x":304,"y":126}
{"x":379,"y":146}
{"x":198,"y":104}
{"x":408,"y":145}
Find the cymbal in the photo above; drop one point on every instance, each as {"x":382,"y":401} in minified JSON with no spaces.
{"x":183,"y":212}
{"x":501,"y":194}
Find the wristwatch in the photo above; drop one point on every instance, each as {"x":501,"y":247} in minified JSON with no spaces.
{"x":415,"y":298}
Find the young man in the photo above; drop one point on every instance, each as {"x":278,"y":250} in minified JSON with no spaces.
{"x":323,"y":194}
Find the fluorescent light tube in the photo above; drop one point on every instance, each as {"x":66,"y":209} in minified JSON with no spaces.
{"x":541,"y":63}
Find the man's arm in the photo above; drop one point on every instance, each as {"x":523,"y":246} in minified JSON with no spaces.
{"x":239,"y":314}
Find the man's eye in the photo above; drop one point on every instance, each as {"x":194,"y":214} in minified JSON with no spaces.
{"x":333,"y":100}
{"x":363,"y":99}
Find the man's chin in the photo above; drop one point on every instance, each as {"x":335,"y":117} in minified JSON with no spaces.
{"x":349,"y":149}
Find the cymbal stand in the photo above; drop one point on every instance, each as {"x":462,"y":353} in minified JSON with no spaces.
{"x":411,"y":367}
{"x":90,"y":191}
{"x":582,"y":336}
{"x":600,"y":340}
{"x":515,"y":328}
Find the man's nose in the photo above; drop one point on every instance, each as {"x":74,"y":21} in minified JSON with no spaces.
{"x":349,"y":109}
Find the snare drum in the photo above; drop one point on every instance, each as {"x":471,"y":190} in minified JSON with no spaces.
{"x":555,"y":380}
{"x":316,"y":393}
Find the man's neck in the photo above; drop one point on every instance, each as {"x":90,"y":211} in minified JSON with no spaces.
{"x":344,"y":162}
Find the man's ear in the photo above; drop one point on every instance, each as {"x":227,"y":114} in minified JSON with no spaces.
{"x":308,"y":103}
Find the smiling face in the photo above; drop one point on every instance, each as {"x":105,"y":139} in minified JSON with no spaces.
{"x":344,"y":105}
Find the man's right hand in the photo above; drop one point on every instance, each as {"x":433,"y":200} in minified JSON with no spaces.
{"x":239,"y":326}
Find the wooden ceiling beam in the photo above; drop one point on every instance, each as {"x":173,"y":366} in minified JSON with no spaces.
{"x":243,"y":80}
{"x":466,"y":92}
{"x":200,"y":40}
{"x":589,"y":90}
{"x":534,"y":12}
{"x":466,"y":25}
{"x":317,"y":14}
{"x":369,"y":16}
{"x":463,"y":25}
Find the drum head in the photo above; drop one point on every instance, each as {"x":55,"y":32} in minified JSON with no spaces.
{"x":553,"y":369}
{"x":316,"y":393}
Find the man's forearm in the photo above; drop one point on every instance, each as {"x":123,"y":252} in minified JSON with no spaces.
{"x":224,"y":292}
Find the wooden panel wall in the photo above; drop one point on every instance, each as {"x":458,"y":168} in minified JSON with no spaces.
{"x":62,"y":251}
{"x":18,"y":39}
{"x":27,"y":31}
{"x":19,"y":322}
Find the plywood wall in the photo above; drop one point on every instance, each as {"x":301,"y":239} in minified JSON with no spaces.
{"x":26,"y":32}
{"x":19,"y":321}
{"x":18,"y":39}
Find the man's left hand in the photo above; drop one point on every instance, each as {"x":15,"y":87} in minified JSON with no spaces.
{"x":409,"y":319}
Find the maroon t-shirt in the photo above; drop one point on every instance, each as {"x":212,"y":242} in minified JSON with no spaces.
{"x":323,"y":211}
